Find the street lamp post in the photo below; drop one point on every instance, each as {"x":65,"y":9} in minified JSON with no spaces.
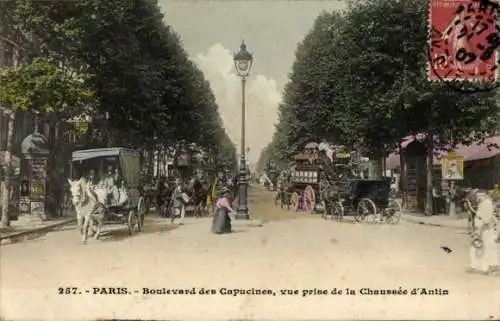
{"x":243,"y":62}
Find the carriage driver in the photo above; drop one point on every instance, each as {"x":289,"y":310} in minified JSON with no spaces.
{"x":109,"y":185}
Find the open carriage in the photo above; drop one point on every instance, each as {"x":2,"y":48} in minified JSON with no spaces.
{"x":121,"y":167}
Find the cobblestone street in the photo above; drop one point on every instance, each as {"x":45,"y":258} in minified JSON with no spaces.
{"x":290,"y":251}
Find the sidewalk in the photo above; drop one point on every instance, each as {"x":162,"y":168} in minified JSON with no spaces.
{"x":443,"y":220}
{"x":26,"y":225}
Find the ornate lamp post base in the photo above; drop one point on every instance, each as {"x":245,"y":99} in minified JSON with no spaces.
{"x":242,"y":210}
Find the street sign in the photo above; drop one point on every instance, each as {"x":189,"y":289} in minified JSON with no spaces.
{"x":452,"y":167}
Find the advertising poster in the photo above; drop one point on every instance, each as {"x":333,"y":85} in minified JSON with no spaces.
{"x":453,"y":167}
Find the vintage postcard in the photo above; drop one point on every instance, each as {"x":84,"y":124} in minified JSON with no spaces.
{"x":249,"y":160}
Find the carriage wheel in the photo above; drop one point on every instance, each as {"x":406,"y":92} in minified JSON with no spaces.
{"x":393,"y":212}
{"x":365,"y":208}
{"x":141,"y":212}
{"x":132,"y":219}
{"x":309,"y":198}
{"x":337,"y":211}
{"x":295,"y":201}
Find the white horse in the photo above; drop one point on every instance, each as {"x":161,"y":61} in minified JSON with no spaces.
{"x":89,"y":207}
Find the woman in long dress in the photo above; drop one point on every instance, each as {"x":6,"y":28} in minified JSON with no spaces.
{"x":484,"y":240}
{"x":221,"y":223}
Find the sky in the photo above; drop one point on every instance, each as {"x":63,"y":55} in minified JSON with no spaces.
{"x":211,"y":31}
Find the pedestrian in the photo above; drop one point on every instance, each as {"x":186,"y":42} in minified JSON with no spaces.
{"x":235,"y":185}
{"x":484,"y":255}
{"x":179,"y":201}
{"x":161,"y":196}
{"x":221,"y":223}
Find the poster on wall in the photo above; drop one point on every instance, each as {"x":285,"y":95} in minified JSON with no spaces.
{"x":39,"y":168}
{"x":37,"y":189}
{"x":24,"y":207}
{"x":452,"y":167}
{"x":38,"y":209}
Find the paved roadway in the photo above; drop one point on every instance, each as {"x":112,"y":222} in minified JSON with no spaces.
{"x":291,"y":251}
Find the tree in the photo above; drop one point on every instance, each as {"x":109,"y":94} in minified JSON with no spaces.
{"x":135,"y":63}
{"x":303,"y":115}
{"x":360,"y":77}
{"x":42,"y":87}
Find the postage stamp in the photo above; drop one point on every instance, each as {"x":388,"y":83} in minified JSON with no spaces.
{"x":463,"y":39}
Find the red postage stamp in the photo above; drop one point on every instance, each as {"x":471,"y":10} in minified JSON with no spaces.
{"x":463,"y":40}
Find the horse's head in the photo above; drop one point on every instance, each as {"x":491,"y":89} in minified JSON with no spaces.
{"x":76,"y":190}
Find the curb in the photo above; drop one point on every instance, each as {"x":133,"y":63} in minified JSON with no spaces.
{"x":421,"y":222}
{"x":35,"y":230}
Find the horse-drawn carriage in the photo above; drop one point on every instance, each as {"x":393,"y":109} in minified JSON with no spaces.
{"x":112,"y":176}
{"x":304,"y":182}
{"x":362,"y":198}
{"x":331,"y":183}
{"x":343,"y":191}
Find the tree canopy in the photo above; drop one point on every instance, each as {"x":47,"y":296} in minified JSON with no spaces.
{"x":43,"y":87}
{"x":359,"y":79}
{"x":128,"y":58}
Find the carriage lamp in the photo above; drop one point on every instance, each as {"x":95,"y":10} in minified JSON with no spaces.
{"x":243,"y":61}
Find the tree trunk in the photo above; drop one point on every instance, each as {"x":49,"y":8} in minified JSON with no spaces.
{"x":151,"y":162}
{"x":56,"y":162}
{"x":429,"y":208}
{"x":452,"y":210}
{"x":5,"y":221}
{"x":402,"y":175}
{"x":164,"y":162}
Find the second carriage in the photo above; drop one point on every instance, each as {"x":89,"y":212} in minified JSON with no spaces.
{"x":304,"y":182}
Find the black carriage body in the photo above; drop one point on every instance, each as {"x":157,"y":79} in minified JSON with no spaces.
{"x":377,"y":190}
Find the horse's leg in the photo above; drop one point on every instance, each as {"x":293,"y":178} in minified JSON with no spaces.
{"x":99,"y":221}
{"x":195,"y":212}
{"x":79,"y":221}
{"x":173,"y":214}
{"x":86,"y":223}
{"x":99,"y":227}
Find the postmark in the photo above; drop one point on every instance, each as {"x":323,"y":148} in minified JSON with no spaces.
{"x":463,"y":40}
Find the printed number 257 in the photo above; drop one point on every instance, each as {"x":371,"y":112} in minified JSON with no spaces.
{"x":62,"y":291}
